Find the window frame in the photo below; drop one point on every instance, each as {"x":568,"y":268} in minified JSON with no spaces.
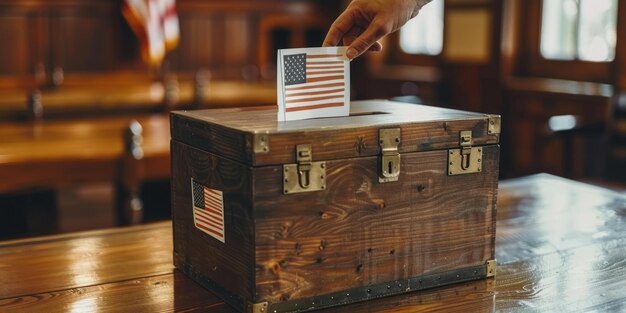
{"x":538,"y":65}
{"x":398,"y":56}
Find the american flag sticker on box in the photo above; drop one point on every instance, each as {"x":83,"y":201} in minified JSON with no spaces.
{"x":208,"y":210}
{"x":313,"y":82}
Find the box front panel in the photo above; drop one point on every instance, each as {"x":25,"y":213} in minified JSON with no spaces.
{"x":213,"y":229}
{"x":358,"y":232}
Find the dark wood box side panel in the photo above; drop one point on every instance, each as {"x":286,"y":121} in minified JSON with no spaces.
{"x":358,"y":232}
{"x":216,"y":139}
{"x":229,"y":264}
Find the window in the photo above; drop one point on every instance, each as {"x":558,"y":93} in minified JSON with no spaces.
{"x":424,"y":33}
{"x":579,"y":30}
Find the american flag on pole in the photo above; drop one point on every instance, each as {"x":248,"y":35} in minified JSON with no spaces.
{"x":208,"y":210}
{"x":155,"y":23}
{"x":315,"y":83}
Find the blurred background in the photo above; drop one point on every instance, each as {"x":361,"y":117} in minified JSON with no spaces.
{"x":86,"y":87}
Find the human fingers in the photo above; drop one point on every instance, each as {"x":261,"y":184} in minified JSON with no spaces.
{"x":377,"y":46}
{"x":376,"y":30}
{"x":351,"y":35}
{"x":342,"y":25}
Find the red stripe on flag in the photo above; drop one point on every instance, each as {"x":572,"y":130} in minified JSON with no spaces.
{"x":316,"y":93}
{"x":320,"y":79}
{"x":340,"y":66}
{"x":325,"y":63}
{"x":211,"y":191}
{"x":318,"y":86}
{"x":325,"y":72}
{"x":217,"y":228}
{"x":212,"y":214}
{"x":213,"y":211}
{"x":210,"y":222}
{"x":213,"y":202}
{"x":312,"y":107}
{"x":311,"y":99}
{"x":207,"y":229}
{"x":317,"y":56}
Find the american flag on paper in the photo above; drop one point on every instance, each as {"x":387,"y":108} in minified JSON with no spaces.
{"x":313,"y":82}
{"x":155,"y":23}
{"x":208,"y":210}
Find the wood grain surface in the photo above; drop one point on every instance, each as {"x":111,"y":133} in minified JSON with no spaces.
{"x":230,"y":132}
{"x":358,"y":233}
{"x":559,"y":246}
{"x":231,"y":264}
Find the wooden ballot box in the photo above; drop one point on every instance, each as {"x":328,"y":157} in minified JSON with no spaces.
{"x":299,"y":215}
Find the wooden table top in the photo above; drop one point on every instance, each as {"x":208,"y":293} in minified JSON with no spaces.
{"x":560,"y":247}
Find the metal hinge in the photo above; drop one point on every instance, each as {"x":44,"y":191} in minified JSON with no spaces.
{"x":261,"y":143}
{"x":491,"y":268}
{"x":389,"y":140}
{"x":305,"y":175}
{"x":257,"y":307}
{"x":467,"y":159}
{"x":494,"y":124}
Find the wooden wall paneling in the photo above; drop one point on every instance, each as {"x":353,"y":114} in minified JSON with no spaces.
{"x":238,"y":46}
{"x":16,"y":57}
{"x":66,"y":41}
{"x":274,"y":34}
{"x":83,"y":38}
{"x":197,"y":44}
{"x":470,"y":68}
{"x":24,"y":36}
{"x":511,"y":47}
{"x":467,"y":35}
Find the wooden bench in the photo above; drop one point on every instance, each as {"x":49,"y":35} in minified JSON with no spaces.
{"x":58,"y":154}
{"x":123,"y":93}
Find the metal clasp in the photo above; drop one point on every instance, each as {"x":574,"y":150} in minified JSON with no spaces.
{"x":466,"y":149}
{"x":303,"y":157}
{"x":305,"y":175}
{"x":389,"y":140}
{"x":467,"y":159}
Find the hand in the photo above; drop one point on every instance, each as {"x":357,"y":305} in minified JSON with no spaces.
{"x":366,"y":21}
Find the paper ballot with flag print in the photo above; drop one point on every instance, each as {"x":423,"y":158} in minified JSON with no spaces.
{"x":313,"y":82}
{"x":208,"y":210}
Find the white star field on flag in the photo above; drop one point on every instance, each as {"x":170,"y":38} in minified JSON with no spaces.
{"x":295,"y":69}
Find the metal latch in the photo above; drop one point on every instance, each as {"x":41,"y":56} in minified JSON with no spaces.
{"x":467,"y":159}
{"x":305,"y":175}
{"x":389,"y":140}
